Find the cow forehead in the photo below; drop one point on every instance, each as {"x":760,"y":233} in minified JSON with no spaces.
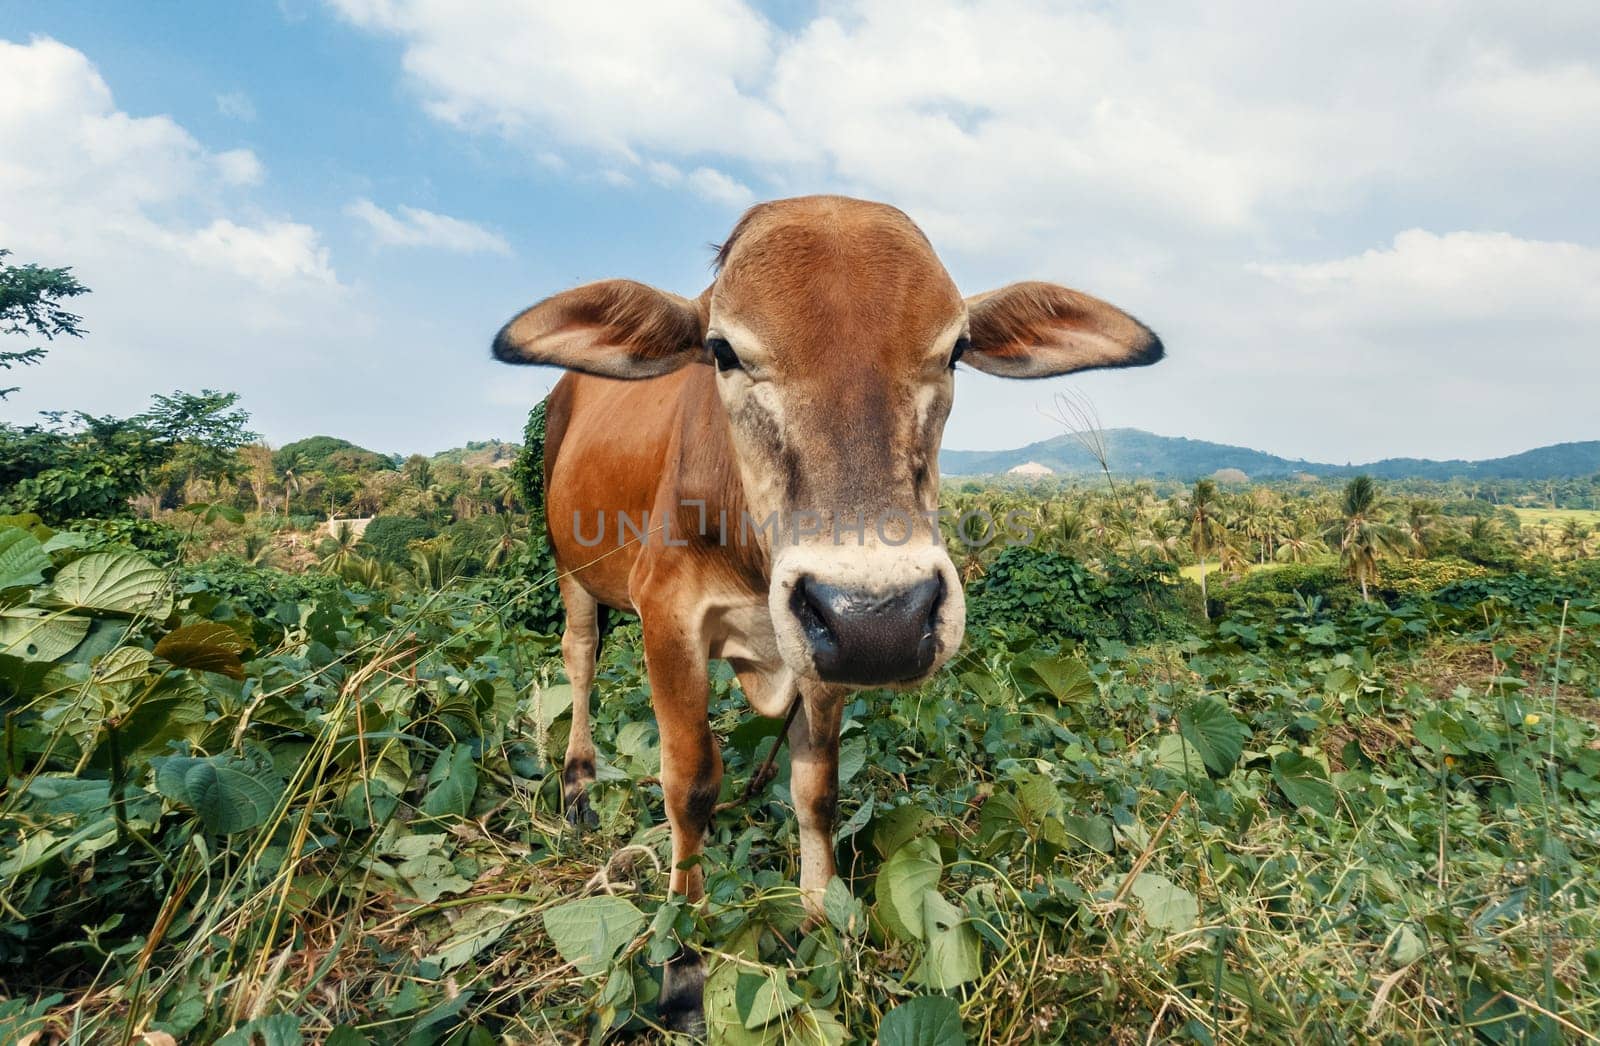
{"x":830,"y":276}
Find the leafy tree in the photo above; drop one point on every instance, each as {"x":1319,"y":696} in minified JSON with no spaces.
{"x":86,"y":468}
{"x":388,"y":538}
{"x":528,"y":470}
{"x":1361,"y":533}
{"x":30,"y":304}
{"x":203,"y":429}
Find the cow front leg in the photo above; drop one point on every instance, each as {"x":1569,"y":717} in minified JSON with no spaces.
{"x":814,"y":786}
{"x":580,"y":646}
{"x":691,"y":778}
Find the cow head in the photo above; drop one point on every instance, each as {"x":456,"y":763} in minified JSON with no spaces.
{"x":834,"y":332}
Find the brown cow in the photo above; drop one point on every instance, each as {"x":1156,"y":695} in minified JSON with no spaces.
{"x":775,"y":479}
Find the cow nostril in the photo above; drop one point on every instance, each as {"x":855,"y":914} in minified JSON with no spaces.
{"x":810,"y":607}
{"x":931,"y":592}
{"x":868,"y":637}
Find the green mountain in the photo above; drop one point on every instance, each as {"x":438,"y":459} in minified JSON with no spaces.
{"x":1134,"y":452}
{"x":488,"y":453}
{"x":331,"y":452}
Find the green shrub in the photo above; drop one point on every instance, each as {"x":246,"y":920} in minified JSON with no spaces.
{"x":1275,"y":588}
{"x":528,"y":468}
{"x":1052,"y":595}
{"x":163,"y":542}
{"x":226,"y":588}
{"x":388,"y":538}
{"x":1404,"y":577}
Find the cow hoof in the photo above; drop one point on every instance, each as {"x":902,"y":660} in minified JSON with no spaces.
{"x":682,"y":1002}
{"x":580,"y":814}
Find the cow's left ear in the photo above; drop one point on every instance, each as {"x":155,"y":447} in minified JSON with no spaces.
{"x":614,"y":328}
{"x":1039,"y":330}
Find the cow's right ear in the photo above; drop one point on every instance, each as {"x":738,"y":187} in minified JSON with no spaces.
{"x":614,"y":328}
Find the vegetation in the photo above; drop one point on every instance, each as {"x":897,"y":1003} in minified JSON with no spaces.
{"x":269,"y":779}
{"x":31,"y":306}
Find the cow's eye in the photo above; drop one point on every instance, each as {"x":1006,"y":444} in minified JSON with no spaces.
{"x":963,"y":343}
{"x":722,"y":352}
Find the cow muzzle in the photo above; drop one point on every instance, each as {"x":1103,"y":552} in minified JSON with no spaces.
{"x":858,"y":636}
{"x":892,"y":628}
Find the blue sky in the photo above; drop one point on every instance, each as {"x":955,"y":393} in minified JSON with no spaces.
{"x":1362,"y":232}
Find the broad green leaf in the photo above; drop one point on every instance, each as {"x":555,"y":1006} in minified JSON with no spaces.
{"x":1165,"y":904}
{"x":1405,"y":946}
{"x":952,"y":958}
{"x":852,"y":758}
{"x":281,"y":1029}
{"x":1215,"y":734}
{"x":40,"y":635}
{"x":230,"y":794}
{"x":550,"y":702}
{"x":205,"y":646}
{"x":123,"y":666}
{"x":904,"y":882}
{"x":113,"y":583}
{"x":896,"y":827}
{"x":22,"y":559}
{"x":763,"y":997}
{"x":164,"y":716}
{"x":66,"y":539}
{"x":927,"y":1020}
{"x":1175,"y":753}
{"x":1303,"y":780}
{"x":451,"y":783}
{"x":1065,"y":677}
{"x":1093,"y":832}
{"x":432,"y":875}
{"x":589,"y":932}
{"x":842,"y":907}
{"x":476,"y":930}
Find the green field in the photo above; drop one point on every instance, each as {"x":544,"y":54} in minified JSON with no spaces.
{"x":1557,"y":516}
{"x":272,"y":780}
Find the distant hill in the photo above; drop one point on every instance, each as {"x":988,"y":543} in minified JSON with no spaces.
{"x":324,"y":451}
{"x":488,"y":453}
{"x":1134,"y":452}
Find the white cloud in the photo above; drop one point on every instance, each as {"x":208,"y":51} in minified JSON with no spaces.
{"x":1460,"y":279}
{"x":1199,"y":164}
{"x":415,"y":227}
{"x":194,"y":285}
{"x":239,"y":167}
{"x":1214,"y":117}
{"x":236,"y":105}
{"x":719,"y":188}
{"x":270,"y":254}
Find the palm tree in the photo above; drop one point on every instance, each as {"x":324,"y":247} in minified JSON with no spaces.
{"x":1205,"y":530}
{"x":1361,"y":533}
{"x":293,"y":472}
{"x":341,"y":545}
{"x":1163,"y":539}
{"x":419,"y":470}
{"x":432,"y":563}
{"x":1574,"y":538}
{"x":1299,"y":543}
{"x":509,"y":539}
{"x":371,"y":572}
{"x":1422,"y":524}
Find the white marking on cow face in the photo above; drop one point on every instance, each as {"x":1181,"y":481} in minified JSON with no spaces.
{"x":862,"y":590}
